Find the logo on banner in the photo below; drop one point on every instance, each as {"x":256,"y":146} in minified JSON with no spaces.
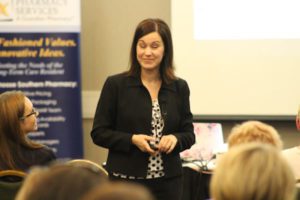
{"x":5,"y":11}
{"x":23,"y":12}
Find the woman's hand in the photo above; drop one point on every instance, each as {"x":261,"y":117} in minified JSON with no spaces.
{"x":167,"y":143}
{"x":142,"y":142}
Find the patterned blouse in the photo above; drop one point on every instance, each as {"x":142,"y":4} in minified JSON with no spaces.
{"x":155,"y":163}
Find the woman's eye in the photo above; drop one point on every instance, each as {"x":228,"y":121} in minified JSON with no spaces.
{"x":141,"y":45}
{"x":154,"y":45}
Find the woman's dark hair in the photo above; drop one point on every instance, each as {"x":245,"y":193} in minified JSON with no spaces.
{"x":166,"y":67}
{"x":12,"y":137}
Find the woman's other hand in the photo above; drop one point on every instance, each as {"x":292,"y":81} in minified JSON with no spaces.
{"x":167,"y":143}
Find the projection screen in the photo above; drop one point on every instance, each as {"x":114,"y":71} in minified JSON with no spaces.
{"x":239,"y":57}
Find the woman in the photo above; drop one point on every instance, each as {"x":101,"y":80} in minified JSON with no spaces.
{"x":17,"y":119}
{"x":143,"y":116}
{"x":252,"y":171}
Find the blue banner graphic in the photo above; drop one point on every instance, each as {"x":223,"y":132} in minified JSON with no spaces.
{"x":44,"y":63}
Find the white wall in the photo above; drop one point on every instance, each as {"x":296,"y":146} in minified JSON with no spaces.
{"x":249,"y":70}
{"x":107,"y":29}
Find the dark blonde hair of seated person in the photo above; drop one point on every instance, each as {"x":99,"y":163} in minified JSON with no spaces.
{"x":254,"y":131}
{"x":252,"y":171}
{"x":119,"y":191}
{"x":12,"y":137}
{"x":59,"y":182}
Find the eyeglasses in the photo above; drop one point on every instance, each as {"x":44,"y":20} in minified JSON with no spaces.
{"x":33,"y":112}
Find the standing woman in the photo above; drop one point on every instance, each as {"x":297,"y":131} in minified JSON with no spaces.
{"x":143,"y":115}
{"x":17,"y":119}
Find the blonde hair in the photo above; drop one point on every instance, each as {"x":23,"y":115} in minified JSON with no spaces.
{"x":252,"y":171}
{"x":254,"y":131}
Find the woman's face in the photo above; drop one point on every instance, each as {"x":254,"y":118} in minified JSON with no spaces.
{"x":150,"y":51}
{"x":29,"y":120}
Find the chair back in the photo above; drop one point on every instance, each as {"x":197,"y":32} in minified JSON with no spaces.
{"x":10,"y":183}
{"x":297,"y":196}
{"x":88,"y":164}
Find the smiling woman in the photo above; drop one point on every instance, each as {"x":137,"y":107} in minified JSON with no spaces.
{"x":17,"y":119}
{"x":150,"y":51}
{"x":143,"y":115}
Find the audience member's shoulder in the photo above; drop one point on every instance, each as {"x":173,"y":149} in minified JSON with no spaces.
{"x":48,"y":151}
{"x":47,"y":155}
{"x":36,"y":157}
{"x":292,"y":150}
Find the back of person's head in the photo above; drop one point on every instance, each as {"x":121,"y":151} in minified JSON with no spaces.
{"x":59,"y":182}
{"x":254,"y":131}
{"x":119,"y":191}
{"x":253,"y":171}
{"x":12,"y":136}
{"x":148,"y":26}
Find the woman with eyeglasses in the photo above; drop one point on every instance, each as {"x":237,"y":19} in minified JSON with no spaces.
{"x":17,"y":119}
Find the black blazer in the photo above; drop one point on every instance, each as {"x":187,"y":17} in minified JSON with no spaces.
{"x":125,"y":108}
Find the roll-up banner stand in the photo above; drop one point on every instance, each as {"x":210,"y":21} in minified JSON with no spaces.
{"x":40,"y":55}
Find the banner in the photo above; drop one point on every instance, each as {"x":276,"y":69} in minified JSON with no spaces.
{"x":40,"y":55}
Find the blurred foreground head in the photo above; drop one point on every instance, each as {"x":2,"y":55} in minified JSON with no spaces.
{"x":253,"y":171}
{"x":59,"y":182}
{"x":119,"y":191}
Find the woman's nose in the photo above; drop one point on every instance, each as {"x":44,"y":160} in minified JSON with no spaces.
{"x":148,"y":51}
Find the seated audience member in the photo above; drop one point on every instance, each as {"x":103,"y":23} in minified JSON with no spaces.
{"x":60,"y":182}
{"x":17,"y":118}
{"x":292,"y":155}
{"x":298,"y":120}
{"x":119,"y":191}
{"x":253,"y":171}
{"x":254,"y":131}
